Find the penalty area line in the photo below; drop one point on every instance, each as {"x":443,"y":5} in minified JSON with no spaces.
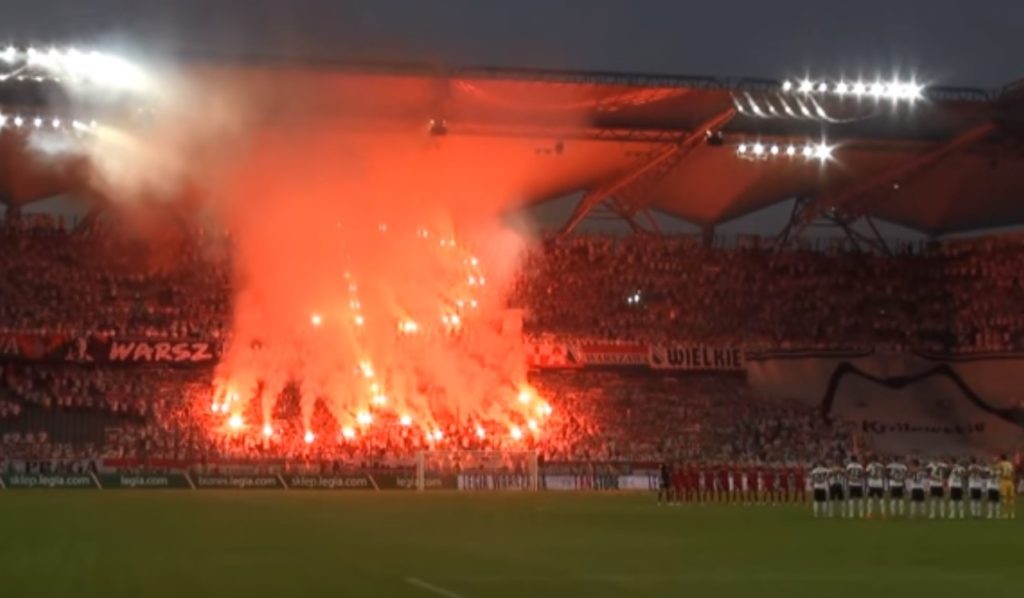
{"x":419,"y":583}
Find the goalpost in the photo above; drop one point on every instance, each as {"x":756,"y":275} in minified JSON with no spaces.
{"x":480,"y":470}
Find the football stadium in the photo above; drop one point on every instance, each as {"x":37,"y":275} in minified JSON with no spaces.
{"x":289,"y":329}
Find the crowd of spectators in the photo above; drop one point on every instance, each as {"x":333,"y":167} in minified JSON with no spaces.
{"x":65,"y":283}
{"x":958,"y":296}
{"x":596,"y":417}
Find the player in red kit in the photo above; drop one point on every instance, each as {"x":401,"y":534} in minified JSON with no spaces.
{"x":799,"y":490}
{"x":678,"y":484}
{"x":722,"y":483}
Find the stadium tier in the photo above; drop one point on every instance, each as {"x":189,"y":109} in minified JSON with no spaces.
{"x":285,"y":270}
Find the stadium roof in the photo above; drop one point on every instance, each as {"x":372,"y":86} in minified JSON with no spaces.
{"x":950,"y":161}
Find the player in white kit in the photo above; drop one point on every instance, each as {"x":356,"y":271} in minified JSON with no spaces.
{"x":918,"y":482}
{"x":819,"y":484}
{"x":957,"y":484}
{"x":976,"y":486}
{"x":876,"y":485}
{"x":854,"y":488}
{"x":898,"y":474}
{"x":937,"y":488}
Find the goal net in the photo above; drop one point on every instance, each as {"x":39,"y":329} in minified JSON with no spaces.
{"x":479,"y":470}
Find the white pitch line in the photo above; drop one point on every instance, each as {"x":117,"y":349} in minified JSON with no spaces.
{"x":419,"y":583}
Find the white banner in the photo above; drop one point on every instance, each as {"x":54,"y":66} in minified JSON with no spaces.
{"x":697,"y":358}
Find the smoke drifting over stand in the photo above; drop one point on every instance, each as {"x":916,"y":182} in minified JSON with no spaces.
{"x":370,"y":270}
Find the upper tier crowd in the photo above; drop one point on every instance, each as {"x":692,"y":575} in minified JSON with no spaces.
{"x":957,"y":296}
{"x":960,"y":296}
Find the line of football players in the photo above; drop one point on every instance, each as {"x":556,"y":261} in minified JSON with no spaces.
{"x":740,"y":484}
{"x":933,"y":489}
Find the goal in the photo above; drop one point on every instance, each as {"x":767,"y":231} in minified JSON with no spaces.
{"x":479,"y":470}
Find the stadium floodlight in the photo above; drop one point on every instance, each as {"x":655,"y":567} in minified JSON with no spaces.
{"x":742,"y":149}
{"x":787,"y":85}
{"x":879,"y":89}
{"x":791,"y":150}
{"x":808,"y":151}
{"x":774,"y":150}
{"x":758,"y":149}
{"x":18,"y":121}
{"x":823,"y":151}
{"x":10,"y":54}
{"x":37,"y":122}
{"x":55,"y":123}
{"x":3,"y":120}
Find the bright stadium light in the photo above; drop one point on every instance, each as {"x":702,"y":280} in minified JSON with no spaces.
{"x":787,"y":85}
{"x":348,"y":432}
{"x":774,"y":150}
{"x":808,"y":151}
{"x":742,"y":149}
{"x":758,"y":149}
{"x":235,"y":422}
{"x":55,"y":123}
{"x":37,"y":122}
{"x":10,"y":54}
{"x":879,"y":89}
{"x":823,"y":151}
{"x":791,"y":150}
{"x":516,"y":433}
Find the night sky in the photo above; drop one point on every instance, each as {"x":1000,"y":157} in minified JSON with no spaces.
{"x":955,"y":42}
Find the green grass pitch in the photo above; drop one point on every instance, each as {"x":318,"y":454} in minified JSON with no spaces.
{"x":295,"y":545}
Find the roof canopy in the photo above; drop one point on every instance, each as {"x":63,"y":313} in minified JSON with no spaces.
{"x":950,"y":161}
